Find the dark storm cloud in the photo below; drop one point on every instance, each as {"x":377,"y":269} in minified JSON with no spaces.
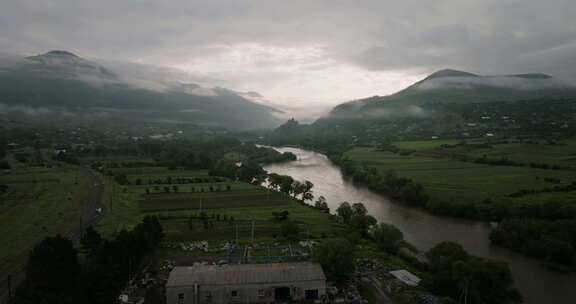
{"x":410,"y":36}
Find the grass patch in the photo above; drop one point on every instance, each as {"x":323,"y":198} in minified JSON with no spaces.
{"x":225,"y":201}
{"x":40,"y":202}
{"x":447,"y":179}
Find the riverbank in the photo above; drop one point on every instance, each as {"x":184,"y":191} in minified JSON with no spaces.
{"x":424,"y":230}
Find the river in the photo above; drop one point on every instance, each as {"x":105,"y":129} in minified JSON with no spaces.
{"x":424,"y":230}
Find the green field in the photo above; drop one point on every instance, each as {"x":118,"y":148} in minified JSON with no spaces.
{"x":424,"y":144}
{"x":40,"y":201}
{"x":266,"y":229}
{"x":447,"y":179}
{"x":561,"y":154}
{"x":87,"y":161}
{"x":179,"y":212}
{"x":224,"y":201}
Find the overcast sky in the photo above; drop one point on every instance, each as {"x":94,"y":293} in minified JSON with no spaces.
{"x":304,"y":53}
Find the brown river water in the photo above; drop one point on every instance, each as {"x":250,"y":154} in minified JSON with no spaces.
{"x":424,"y":230}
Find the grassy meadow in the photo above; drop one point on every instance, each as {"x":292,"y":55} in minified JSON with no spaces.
{"x":41,"y":201}
{"x":196,"y":207}
{"x":446,"y":179}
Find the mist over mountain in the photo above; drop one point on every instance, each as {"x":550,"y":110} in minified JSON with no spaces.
{"x":452,"y":86}
{"x":62,"y":84}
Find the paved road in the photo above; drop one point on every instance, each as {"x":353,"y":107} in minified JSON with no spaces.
{"x":90,"y":216}
{"x":92,"y":204}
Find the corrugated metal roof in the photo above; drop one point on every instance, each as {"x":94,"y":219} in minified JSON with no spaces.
{"x":407,"y":277}
{"x":245,"y":274}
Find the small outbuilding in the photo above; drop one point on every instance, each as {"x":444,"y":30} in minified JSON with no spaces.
{"x":406,"y":277}
{"x":246,"y":283}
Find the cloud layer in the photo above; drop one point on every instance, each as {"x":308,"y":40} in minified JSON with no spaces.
{"x":304,"y":53}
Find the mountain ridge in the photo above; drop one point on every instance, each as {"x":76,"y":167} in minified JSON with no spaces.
{"x":61,"y":81}
{"x":454,"y":86}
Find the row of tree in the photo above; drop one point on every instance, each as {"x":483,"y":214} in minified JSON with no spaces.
{"x":554,"y":242}
{"x":401,"y":189}
{"x":450,"y":270}
{"x":501,"y":209}
{"x":176,"y":189}
{"x":475,"y":280}
{"x":169,"y":180}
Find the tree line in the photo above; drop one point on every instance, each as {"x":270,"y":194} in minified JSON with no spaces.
{"x":450,"y":271}
{"x":553,"y":242}
{"x":56,"y":273}
{"x":389,"y":183}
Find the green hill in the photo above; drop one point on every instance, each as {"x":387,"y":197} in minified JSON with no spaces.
{"x":60,"y":84}
{"x":452,"y":86}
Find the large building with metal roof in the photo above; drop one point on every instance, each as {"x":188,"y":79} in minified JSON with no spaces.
{"x":246,"y":283}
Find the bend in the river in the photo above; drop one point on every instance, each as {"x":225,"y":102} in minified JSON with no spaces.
{"x":536,"y":283}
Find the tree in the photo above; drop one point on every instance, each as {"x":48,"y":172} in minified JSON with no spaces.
{"x":4,"y":165}
{"x":307,"y":191}
{"x":251,"y":172}
{"x":388,"y":237}
{"x":274,"y":180}
{"x":322,"y":204}
{"x":560,"y":252}
{"x":297,"y":189}
{"x":224,"y":167}
{"x":485,"y":281}
{"x":91,"y":240}
{"x":345,"y":212}
{"x":443,"y":255}
{"x":121,"y":179}
{"x":286,"y":184}
{"x":307,"y":196}
{"x":362,"y":223}
{"x":359,"y":209}
{"x":22,"y":157}
{"x":290,"y":230}
{"x":337,"y":259}
{"x":51,"y":272}
{"x":414,"y":194}
{"x":2,"y":145}
{"x":281,"y":215}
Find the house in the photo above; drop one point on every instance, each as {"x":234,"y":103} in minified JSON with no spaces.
{"x":246,"y":283}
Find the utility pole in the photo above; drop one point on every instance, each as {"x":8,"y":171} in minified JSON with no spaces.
{"x":252,"y":232}
{"x":236,"y":234}
{"x":129,"y":269}
{"x":9,"y":288}
{"x":81,"y":226}
{"x":112,"y":186}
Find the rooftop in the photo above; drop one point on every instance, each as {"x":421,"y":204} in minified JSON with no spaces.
{"x":405,"y":276}
{"x":245,"y":274}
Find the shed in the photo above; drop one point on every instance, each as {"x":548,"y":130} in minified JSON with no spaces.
{"x":406,"y":277}
{"x":246,"y":283}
